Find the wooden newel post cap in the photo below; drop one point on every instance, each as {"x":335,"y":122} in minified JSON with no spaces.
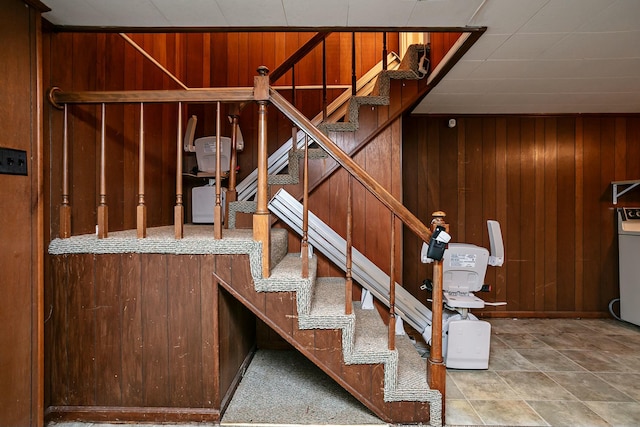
{"x":262,"y":70}
{"x":438,"y":219}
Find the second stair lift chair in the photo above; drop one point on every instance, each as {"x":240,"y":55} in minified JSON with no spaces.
{"x":466,"y":339}
{"x":203,"y":197}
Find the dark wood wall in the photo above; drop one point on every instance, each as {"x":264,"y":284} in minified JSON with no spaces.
{"x":21,"y":213}
{"x":152,"y":331}
{"x":547,"y":180}
{"x":80,"y":61}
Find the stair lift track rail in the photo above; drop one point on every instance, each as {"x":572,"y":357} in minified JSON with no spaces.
{"x":280,"y":158}
{"x":365,"y":272}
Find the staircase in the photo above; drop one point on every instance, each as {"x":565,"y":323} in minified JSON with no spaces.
{"x":310,"y":312}
{"x":352,"y":349}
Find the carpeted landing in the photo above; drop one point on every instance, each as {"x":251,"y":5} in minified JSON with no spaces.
{"x":284,"y":388}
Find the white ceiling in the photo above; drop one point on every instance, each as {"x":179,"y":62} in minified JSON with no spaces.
{"x":537,"y":56}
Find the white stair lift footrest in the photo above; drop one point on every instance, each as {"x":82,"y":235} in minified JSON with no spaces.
{"x":468,"y":344}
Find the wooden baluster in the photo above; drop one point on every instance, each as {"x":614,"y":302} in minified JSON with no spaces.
{"x":217,"y":209}
{"x":232,"y":193}
{"x":384,"y":50}
{"x":293,"y":85}
{"x":436,"y":370}
{"x":304,"y":250}
{"x":392,"y":286}
{"x":348,"y":300}
{"x":261,"y":219}
{"x":178,"y":210}
{"x":65,"y":208}
{"x":324,"y":80}
{"x":353,"y":64}
{"x":141,"y":211}
{"x":103,"y":211}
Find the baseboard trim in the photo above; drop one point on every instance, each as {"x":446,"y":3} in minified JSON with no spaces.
{"x":543,"y":314}
{"x":130,"y":414}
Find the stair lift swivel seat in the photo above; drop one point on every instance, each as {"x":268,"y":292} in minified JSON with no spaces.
{"x":466,"y":339}
{"x":203,"y":197}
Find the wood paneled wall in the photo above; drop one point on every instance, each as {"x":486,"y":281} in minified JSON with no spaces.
{"x":83,"y":61}
{"x":547,"y":180}
{"x":152,"y":331}
{"x":21,"y":216}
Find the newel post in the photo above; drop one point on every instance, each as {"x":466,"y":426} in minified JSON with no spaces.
{"x":436,"y":369}
{"x":261,"y":219}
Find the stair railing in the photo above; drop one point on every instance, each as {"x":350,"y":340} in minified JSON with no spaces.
{"x":62,"y":100}
{"x":436,"y":373}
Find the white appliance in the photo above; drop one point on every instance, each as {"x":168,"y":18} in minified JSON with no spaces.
{"x":629,"y":263}
{"x":466,"y":340}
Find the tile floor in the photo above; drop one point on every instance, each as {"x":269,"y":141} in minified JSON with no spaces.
{"x":552,"y":372}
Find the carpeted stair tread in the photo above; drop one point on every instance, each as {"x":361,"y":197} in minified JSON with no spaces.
{"x":371,"y":334}
{"x":279,"y":244}
{"x":328,"y":297}
{"x":412,"y":368}
{"x":407,"y":70}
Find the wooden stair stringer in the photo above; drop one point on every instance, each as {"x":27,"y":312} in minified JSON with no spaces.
{"x":326,"y":340}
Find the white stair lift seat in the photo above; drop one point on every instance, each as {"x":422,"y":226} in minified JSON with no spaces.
{"x":203,"y":198}
{"x":466,"y":339}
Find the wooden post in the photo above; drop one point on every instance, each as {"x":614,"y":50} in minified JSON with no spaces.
{"x":436,"y":369}
{"x":178,"y":210}
{"x":392,"y":286}
{"x":304,"y":246}
{"x":232,"y":193}
{"x":348,"y":300}
{"x":141,"y":211}
{"x":217,"y":209}
{"x":65,"y":208}
{"x":103,"y":211}
{"x":262,"y":219}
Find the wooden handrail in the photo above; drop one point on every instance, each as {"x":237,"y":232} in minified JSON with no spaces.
{"x":236,"y":94}
{"x":282,"y":69}
{"x":299,"y":120}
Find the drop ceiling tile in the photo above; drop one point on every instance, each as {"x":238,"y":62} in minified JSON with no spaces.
{"x":526,"y":46}
{"x":71,"y":12}
{"x":194,"y":13}
{"x":383,"y":13}
{"x":623,"y":15}
{"x":325,"y":13}
{"x":563,"y":16}
{"x":128,"y":13}
{"x":463,"y":69}
{"x":525,"y":69}
{"x":251,"y":13}
{"x":442,"y":13}
{"x":485,"y":46}
{"x":596,"y":45}
{"x":506,"y":16}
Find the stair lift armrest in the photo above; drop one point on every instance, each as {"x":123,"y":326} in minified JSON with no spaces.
{"x":189,"y":135}
{"x":495,"y":241}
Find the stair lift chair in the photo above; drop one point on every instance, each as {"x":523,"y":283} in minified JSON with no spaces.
{"x":466,"y":339}
{"x":203,"y":198}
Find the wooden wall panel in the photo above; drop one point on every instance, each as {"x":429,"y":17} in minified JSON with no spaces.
{"x":90,"y":61}
{"x":124,"y":335}
{"x":548,"y":181}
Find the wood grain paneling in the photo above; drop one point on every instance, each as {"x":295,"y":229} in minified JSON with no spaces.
{"x":131,"y":333}
{"x":548,"y":181}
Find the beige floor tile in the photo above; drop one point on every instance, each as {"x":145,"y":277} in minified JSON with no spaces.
{"x":618,"y":414}
{"x":481,"y":385}
{"x":547,"y":359}
{"x":507,"y":413}
{"x":508,"y":359}
{"x":452,"y":391}
{"x":535,"y":386}
{"x":563,"y":341}
{"x":563,"y":413}
{"x":460,"y":413}
{"x":588,"y":387}
{"x":518,"y":341}
{"x":628,"y":383}
{"x":595,"y":361}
